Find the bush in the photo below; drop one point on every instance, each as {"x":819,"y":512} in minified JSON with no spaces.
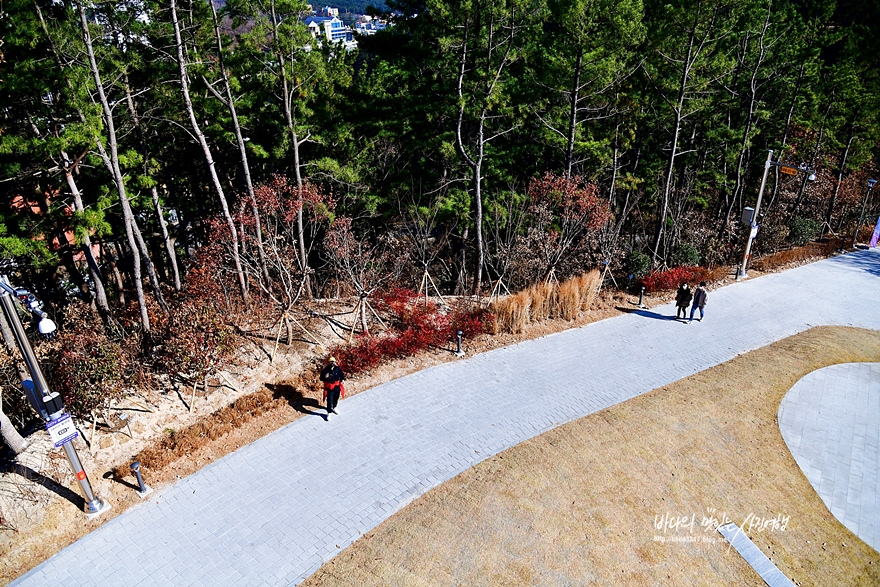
{"x":195,"y":336}
{"x":90,"y":369}
{"x":685,"y":255}
{"x":803,"y":230}
{"x":797,"y":255}
{"x":415,"y":325}
{"x":672,"y":278}
{"x":637,"y":264}
{"x":192,"y":341}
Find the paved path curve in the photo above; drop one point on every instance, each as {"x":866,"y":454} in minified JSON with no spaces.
{"x":271,"y":513}
{"x":830,"y":421}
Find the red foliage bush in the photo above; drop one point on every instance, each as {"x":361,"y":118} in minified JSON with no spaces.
{"x":197,"y":335}
{"x":89,"y":368}
{"x":672,"y":278}
{"x":415,"y":326}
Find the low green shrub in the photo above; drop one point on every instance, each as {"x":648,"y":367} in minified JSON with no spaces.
{"x":803,"y":230}
{"x":685,"y":255}
{"x":637,"y":264}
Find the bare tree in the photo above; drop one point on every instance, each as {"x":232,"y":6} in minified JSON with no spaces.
{"x":206,"y":150}
{"x":229,"y":102}
{"x":486,"y":51}
{"x":118,"y":178}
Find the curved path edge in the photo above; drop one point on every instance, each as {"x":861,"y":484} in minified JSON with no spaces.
{"x":276,"y":510}
{"x":829,"y":420}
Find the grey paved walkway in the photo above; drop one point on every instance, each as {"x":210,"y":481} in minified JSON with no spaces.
{"x":830,"y":421}
{"x":272,"y":512}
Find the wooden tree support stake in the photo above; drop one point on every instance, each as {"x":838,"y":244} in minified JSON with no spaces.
{"x":229,"y":381}
{"x":496,"y":289}
{"x":94,"y":432}
{"x":426,"y":279}
{"x":192,"y":398}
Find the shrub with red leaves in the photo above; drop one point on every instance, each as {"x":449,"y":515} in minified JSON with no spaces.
{"x":89,"y":369}
{"x":415,"y":326}
{"x":672,"y":278}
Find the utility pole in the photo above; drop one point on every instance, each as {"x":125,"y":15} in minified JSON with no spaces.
{"x":49,"y":404}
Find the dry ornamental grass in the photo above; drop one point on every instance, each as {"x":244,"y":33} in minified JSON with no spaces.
{"x":544,"y":301}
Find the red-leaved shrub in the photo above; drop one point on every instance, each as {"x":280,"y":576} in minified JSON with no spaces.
{"x":672,"y":278}
{"x":415,"y":325}
{"x":89,"y":369}
{"x":196,"y":336}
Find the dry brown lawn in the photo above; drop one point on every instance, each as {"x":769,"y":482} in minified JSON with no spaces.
{"x":578,"y":505}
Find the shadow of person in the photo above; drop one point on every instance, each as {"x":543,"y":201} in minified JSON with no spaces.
{"x":56,"y":488}
{"x":645,"y":313}
{"x":295,"y":398}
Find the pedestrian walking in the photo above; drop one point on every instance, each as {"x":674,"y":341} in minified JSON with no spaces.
{"x":700,"y":297}
{"x":682,"y":301}
{"x":332,"y":376}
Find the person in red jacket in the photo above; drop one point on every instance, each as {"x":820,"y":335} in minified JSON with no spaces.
{"x":332,"y":376}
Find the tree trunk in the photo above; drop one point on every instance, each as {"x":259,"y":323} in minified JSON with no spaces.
{"x":117,"y":275}
{"x":230,"y":104}
{"x":94,"y":270}
{"x":151,"y":269}
{"x":11,"y":437}
{"x":478,"y":218}
{"x":475,"y":164}
{"x":572,"y":115}
{"x":843,"y":159}
{"x":166,"y":238}
{"x":184,"y":82}
{"x":118,"y":177}
{"x":288,"y":116}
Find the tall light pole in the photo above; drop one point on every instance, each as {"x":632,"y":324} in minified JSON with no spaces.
{"x":48,"y":404}
{"x":871,"y":183}
{"x":753,"y":227}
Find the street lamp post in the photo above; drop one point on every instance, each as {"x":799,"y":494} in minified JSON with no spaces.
{"x":753,"y":227}
{"x":871,"y":183}
{"x":48,"y":404}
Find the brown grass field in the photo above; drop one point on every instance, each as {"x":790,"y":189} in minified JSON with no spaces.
{"x":578,"y":505}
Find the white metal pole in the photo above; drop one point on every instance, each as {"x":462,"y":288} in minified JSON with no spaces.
{"x":745,"y":262}
{"x":94,"y":505}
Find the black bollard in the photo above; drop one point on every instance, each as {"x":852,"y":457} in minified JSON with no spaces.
{"x":144,"y":489}
{"x":458,"y":351}
{"x":642,"y":297}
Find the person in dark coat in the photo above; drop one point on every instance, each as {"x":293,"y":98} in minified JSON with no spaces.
{"x":332,"y":376}
{"x":682,"y":301}
{"x":700,"y":297}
